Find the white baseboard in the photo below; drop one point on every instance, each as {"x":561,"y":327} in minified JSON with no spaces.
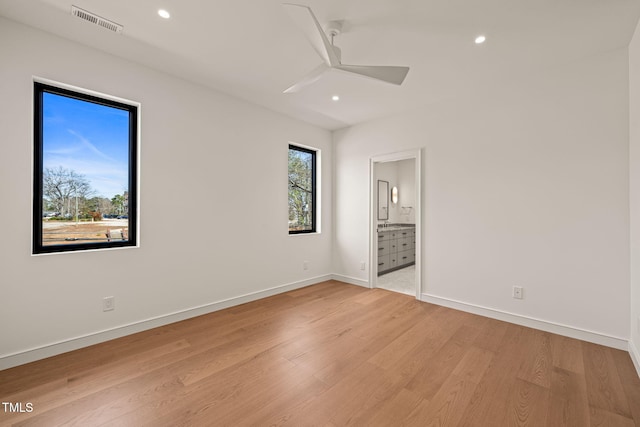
{"x":52,"y":349}
{"x":635,"y":355}
{"x":351,"y":280}
{"x":544,"y":325}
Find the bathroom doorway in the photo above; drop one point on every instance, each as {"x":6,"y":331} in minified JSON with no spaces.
{"x":396,"y":223}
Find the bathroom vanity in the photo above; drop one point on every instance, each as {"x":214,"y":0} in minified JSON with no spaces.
{"x":396,"y":247}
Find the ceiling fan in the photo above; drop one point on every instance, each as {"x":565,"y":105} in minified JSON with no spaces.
{"x":331,"y":55}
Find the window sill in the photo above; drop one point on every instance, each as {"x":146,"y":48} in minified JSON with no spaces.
{"x":315,"y":233}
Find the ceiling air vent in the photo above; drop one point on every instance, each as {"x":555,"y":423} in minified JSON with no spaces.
{"x":96,"y":20}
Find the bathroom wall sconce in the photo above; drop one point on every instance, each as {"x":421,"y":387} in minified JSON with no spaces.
{"x":394,"y":194}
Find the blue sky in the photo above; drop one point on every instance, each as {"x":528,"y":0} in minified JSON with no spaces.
{"x":91,"y":139}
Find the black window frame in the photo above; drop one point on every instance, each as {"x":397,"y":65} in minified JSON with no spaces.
{"x":314,"y":192}
{"x":39,"y":89}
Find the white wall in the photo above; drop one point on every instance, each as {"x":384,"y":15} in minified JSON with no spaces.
{"x":526,"y":186}
{"x":634,"y":192}
{"x":399,"y":174}
{"x":406,"y":191}
{"x":220,"y":161}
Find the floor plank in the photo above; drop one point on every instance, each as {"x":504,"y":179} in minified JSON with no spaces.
{"x":567,"y":354}
{"x":629,"y":379}
{"x":604,"y":388}
{"x":568,"y":405}
{"x":527,"y":405}
{"x":490,"y":400}
{"x":537,"y":365}
{"x":331,"y":354}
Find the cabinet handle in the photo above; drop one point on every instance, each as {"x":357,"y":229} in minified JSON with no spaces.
{"x":380,"y":263}
{"x":404,"y":257}
{"x":404,"y":244}
{"x":380,"y":249}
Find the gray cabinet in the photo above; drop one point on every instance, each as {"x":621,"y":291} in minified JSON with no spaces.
{"x":396,"y":249}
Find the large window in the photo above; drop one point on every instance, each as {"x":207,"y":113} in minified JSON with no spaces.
{"x":85,"y":171}
{"x":302,"y":190}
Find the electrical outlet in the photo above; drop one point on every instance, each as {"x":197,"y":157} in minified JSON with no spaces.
{"x":305,"y":265}
{"x":108,"y":303}
{"x":517,"y":292}
{"x":363,"y":265}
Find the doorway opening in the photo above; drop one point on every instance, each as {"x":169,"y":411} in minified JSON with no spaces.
{"x":396,"y":222}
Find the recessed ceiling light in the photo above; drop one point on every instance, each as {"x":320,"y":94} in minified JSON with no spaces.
{"x":480,"y":39}
{"x":335,"y":98}
{"x":164,"y":14}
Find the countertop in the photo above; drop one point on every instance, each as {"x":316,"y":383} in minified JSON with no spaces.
{"x":396,"y":227}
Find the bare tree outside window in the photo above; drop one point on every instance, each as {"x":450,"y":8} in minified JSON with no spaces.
{"x":302,"y":190}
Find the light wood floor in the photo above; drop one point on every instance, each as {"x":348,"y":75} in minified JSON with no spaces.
{"x":331,"y":355}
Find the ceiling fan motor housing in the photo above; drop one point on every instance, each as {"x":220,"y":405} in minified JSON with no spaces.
{"x":334,"y":28}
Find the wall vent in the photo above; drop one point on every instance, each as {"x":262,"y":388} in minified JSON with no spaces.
{"x":96,"y":20}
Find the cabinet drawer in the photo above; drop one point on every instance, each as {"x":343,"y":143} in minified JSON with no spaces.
{"x":406,"y":257}
{"x":405,"y":233}
{"x":384,"y":248}
{"x":384,"y":263}
{"x":393,"y":260}
{"x":387,"y":235}
{"x":405,"y":243}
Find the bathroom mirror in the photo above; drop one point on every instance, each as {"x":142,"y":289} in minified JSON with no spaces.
{"x":383,"y":200}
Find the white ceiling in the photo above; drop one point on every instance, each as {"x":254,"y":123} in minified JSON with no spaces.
{"x":252,"y":49}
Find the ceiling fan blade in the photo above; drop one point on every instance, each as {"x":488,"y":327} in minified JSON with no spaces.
{"x":306,"y":20}
{"x":310,"y":78}
{"x":389,"y":74}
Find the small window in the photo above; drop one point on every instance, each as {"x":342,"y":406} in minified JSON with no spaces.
{"x":302,"y":190}
{"x":85,"y":171}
